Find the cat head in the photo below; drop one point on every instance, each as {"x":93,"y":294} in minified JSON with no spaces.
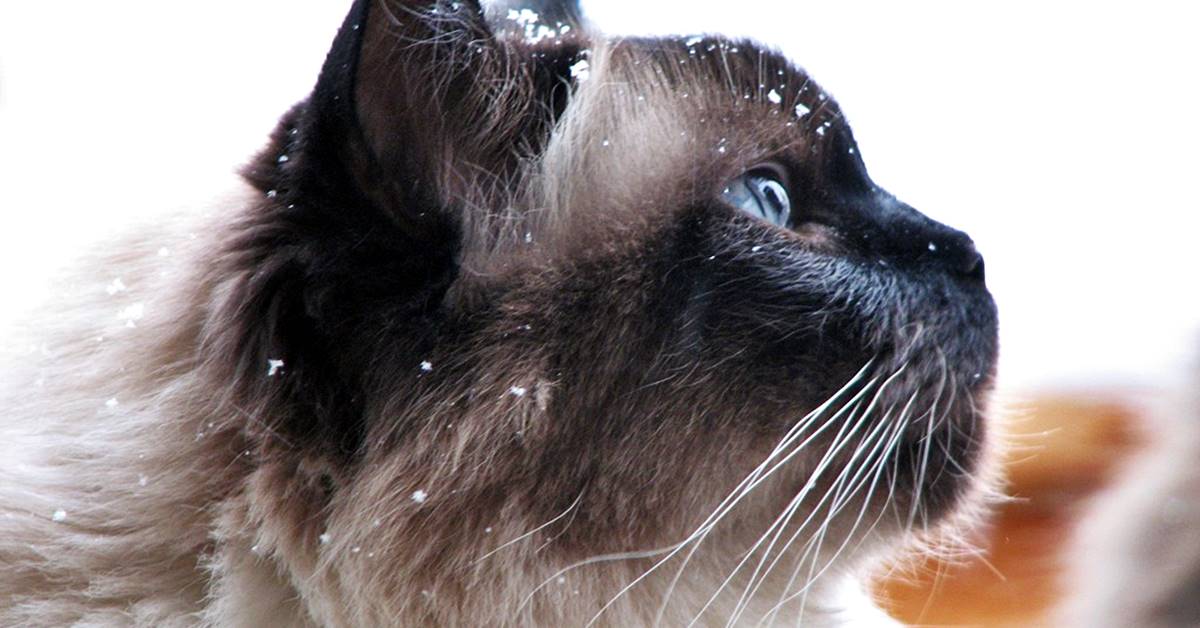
{"x":630,"y":287}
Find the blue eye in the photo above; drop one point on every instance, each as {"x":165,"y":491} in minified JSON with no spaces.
{"x":761,"y":194}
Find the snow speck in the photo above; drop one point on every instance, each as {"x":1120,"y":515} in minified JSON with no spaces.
{"x":820,"y":130}
{"x":273,"y":367}
{"x":581,"y":70}
{"x":721,"y":149}
{"x":528,"y":21}
{"x":164,"y":251}
{"x":692,"y":41}
{"x":111,"y":403}
{"x":272,"y":193}
{"x":562,"y":580}
{"x":116,"y":286}
{"x":774,"y":97}
{"x":283,"y":159}
{"x":932,"y":247}
{"x":756,"y":248}
{"x":523,"y":17}
{"x":487,"y":530}
{"x":324,"y":538}
{"x":517,"y":391}
{"x":132,"y":313}
{"x":528,"y":237}
{"x":426,"y":366}
{"x":356,"y":549}
{"x":605,"y":143}
{"x":59,"y":515}
{"x":802,"y":111}
{"x":420,"y":496}
{"x":143,"y":480}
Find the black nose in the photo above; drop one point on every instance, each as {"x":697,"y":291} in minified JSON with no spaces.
{"x":954,"y":253}
{"x":970,"y":264}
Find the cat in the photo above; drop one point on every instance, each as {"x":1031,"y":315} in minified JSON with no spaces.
{"x":1135,"y":558}
{"x":509,"y":324}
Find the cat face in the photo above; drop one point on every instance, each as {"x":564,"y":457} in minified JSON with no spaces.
{"x":627,"y":287}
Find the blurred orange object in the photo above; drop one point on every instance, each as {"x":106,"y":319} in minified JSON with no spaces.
{"x":1065,"y":449}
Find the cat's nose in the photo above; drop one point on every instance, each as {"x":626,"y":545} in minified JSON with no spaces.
{"x":957,"y":256}
{"x":970,"y":266}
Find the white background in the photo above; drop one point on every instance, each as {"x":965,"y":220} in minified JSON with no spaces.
{"x":1062,"y":136}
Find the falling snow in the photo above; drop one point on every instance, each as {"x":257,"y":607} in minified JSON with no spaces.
{"x":692,"y":41}
{"x":932,"y":247}
{"x":517,"y":391}
{"x":116,"y":286}
{"x":132,"y":313}
{"x":524,"y":17}
{"x":426,"y":366}
{"x":534,"y":32}
{"x":59,"y":515}
{"x":419,"y":496}
{"x":802,"y":111}
{"x":580,"y":71}
{"x":324,"y":538}
{"x":774,"y":97}
{"x":273,"y":367}
{"x":111,"y":403}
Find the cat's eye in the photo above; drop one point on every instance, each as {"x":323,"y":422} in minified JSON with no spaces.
{"x":761,"y":192}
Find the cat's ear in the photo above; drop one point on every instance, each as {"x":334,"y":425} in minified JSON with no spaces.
{"x":415,"y":97}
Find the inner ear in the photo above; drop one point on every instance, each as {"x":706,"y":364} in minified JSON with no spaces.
{"x":420,"y":100}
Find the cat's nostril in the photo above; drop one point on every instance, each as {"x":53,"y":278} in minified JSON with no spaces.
{"x":973,"y":265}
{"x":958,"y":257}
{"x":968,"y":263}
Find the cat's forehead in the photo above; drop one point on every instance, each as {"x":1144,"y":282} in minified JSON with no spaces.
{"x":675,"y":117}
{"x":738,"y":79}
